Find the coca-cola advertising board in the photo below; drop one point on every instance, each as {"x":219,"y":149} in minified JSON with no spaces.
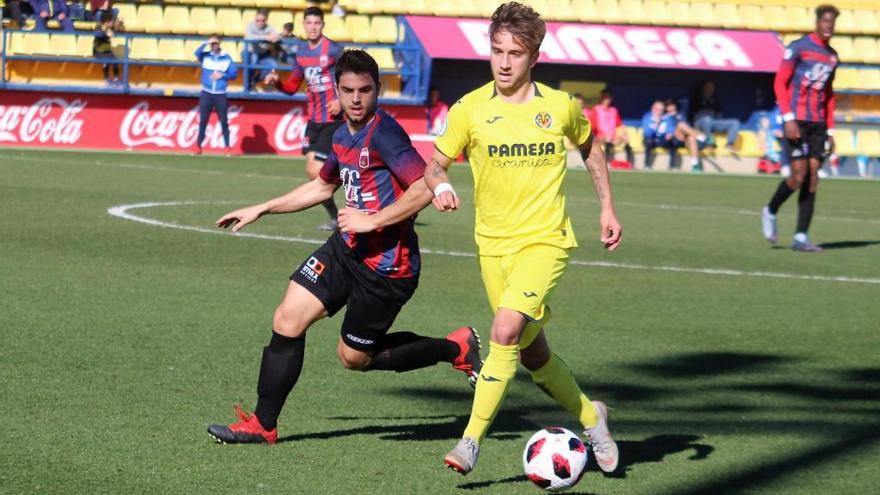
{"x":113,"y":122}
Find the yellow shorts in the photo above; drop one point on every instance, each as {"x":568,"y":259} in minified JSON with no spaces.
{"x":523,"y":282}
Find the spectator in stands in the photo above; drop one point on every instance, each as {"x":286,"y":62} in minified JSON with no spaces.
{"x":17,"y":11}
{"x":609,"y":129}
{"x":705,"y":113}
{"x":260,"y":51}
{"x":287,"y":47}
{"x":683,"y":135}
{"x":102,"y":47}
{"x":656,"y":132}
{"x":47,"y":10}
{"x":76,"y":11}
{"x":97,"y":8}
{"x":436,"y":112}
{"x":217,"y":70}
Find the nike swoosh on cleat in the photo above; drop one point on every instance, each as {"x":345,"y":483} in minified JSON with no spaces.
{"x":530,"y":294}
{"x":489,"y":378}
{"x":494,"y":119}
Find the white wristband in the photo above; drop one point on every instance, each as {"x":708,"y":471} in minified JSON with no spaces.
{"x":788,"y":116}
{"x":442,"y":188}
{"x":830,"y":132}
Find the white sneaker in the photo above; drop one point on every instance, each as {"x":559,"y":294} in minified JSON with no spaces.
{"x":768,"y":225}
{"x":463,"y":457}
{"x":599,"y":437}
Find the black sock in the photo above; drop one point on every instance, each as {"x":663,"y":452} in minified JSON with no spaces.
{"x":330,"y":206}
{"x":782,"y":193}
{"x":279,"y":371}
{"x":806,"y":201}
{"x":630,"y":156}
{"x":405,"y":351}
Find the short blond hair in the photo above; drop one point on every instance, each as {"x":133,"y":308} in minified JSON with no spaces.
{"x":522,"y":22}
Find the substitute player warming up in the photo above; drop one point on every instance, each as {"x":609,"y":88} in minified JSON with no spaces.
{"x":373,"y":275}
{"x":803,"y":88}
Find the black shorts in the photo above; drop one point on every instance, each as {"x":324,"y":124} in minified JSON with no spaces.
{"x":335,"y":275}
{"x":319,"y":138}
{"x":811,"y":143}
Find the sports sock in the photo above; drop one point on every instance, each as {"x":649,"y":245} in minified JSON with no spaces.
{"x":557,"y":381}
{"x":806,"y":201}
{"x":782,"y":193}
{"x":630,"y":156}
{"x":279,"y":371}
{"x":405,"y":351}
{"x":495,"y":378}
{"x":330,"y":206}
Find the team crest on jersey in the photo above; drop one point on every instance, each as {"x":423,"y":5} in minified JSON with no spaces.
{"x":324,"y":61}
{"x":543,"y":120}
{"x":364,"y":158}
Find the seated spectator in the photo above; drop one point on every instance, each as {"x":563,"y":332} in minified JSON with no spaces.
{"x":288,"y":45}
{"x":47,"y":10}
{"x":102,"y":47}
{"x":77,"y":11}
{"x":17,"y":10}
{"x":436,"y":112}
{"x":608,"y":127}
{"x":705,"y":113}
{"x":97,"y":8}
{"x":656,"y":133}
{"x":683,"y":135}
{"x":260,"y":51}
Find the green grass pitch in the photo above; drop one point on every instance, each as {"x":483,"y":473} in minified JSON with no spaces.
{"x":731,"y":367}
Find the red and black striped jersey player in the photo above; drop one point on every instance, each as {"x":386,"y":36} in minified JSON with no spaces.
{"x":372,"y":274}
{"x":803,"y":88}
{"x":314,"y":63}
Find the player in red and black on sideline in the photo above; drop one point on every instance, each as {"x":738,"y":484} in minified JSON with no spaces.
{"x":803,"y":88}
{"x":314,"y":62}
{"x":372,"y":274}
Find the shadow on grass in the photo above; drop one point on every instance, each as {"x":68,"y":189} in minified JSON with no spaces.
{"x":710,"y":363}
{"x":847,"y":244}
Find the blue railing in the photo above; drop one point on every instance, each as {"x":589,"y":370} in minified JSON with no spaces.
{"x":408,"y":56}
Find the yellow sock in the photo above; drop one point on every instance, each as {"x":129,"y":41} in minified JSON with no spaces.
{"x":556,"y":379}
{"x":495,"y":377}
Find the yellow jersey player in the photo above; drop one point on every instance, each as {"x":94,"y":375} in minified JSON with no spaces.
{"x":512,"y":130}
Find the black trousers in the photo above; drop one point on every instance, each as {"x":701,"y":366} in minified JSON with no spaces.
{"x":210,"y":101}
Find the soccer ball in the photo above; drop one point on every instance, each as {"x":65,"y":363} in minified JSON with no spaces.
{"x":555,"y":459}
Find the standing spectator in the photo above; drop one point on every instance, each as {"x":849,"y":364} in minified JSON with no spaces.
{"x":262,"y":37}
{"x":705,"y":113}
{"x":608,"y":128}
{"x":102,"y":47}
{"x":46,"y":10}
{"x":436,"y":112}
{"x":217,"y":70}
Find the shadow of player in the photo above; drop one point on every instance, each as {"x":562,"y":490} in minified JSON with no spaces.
{"x":654,"y":449}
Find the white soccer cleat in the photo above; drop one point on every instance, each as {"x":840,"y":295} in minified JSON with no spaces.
{"x":768,"y":225}
{"x":599,"y":437}
{"x":463,"y":457}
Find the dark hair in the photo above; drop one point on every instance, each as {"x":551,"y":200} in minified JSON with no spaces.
{"x":358,"y":62}
{"x":578,"y":96}
{"x":826,"y":9}
{"x":670,"y":101}
{"x":314,"y":11}
{"x":433,"y":88}
{"x":522,"y":22}
{"x":263,"y":12}
{"x":106,"y":16}
{"x":605,"y":92}
{"x":288,"y":26}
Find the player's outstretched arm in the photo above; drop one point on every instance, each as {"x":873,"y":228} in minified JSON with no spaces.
{"x":413,"y":200}
{"x":437,"y":182}
{"x":301,"y":198}
{"x":594,"y":159}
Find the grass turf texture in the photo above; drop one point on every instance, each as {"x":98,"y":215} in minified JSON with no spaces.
{"x":122,"y":341}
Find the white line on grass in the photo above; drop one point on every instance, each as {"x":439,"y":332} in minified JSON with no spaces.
{"x":122,"y":211}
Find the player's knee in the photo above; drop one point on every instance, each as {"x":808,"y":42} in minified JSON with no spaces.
{"x":795,"y":180}
{"x":288,"y":323}
{"x":355,"y":361}
{"x":505,"y":334}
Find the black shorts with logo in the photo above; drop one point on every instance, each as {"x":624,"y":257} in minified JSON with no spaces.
{"x":319,"y":138}
{"x":811,"y":143}
{"x":335,"y":275}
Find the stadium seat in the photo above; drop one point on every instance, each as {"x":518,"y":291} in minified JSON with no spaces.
{"x":37,"y":44}
{"x":866,"y":49}
{"x":748,"y":144}
{"x":172,"y":50}
{"x":242,"y":3}
{"x":728,"y":16}
{"x":384,"y":57}
{"x":298,"y":29}
{"x":541,"y":6}
{"x":870,"y":78}
{"x":151,"y":18}
{"x":63,"y":45}
{"x":229,"y":22}
{"x":561,"y":10}
{"x":632,"y":12}
{"x":384,"y":29}
{"x":419,"y":7}
{"x":268,"y":4}
{"x":203,"y":20}
{"x":190,"y":47}
{"x":800,"y":19}
{"x":84,"y":45}
{"x":144,"y":49}
{"x":868,"y":20}
{"x":636,"y":141}
{"x":705,"y":15}
{"x":369,"y":6}
{"x":751,"y":18}
{"x":585,"y":10}
{"x":394,"y":6}
{"x":358,"y":27}
{"x":846,"y":23}
{"x":657,"y":13}
{"x":844,"y":142}
{"x":390,"y":85}
{"x":176,"y":20}
{"x":295,"y":4}
{"x":609,"y":11}
{"x":278,"y":18}
{"x":846,"y":78}
{"x":334,"y":28}
{"x":844,"y":47}
{"x":775,"y":19}
{"x":680,"y":14}
{"x":129,"y":17}
{"x":868,"y":142}
{"x":247,"y":17}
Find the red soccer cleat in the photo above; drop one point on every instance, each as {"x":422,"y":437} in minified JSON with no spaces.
{"x":247,"y":430}
{"x":468,"y":359}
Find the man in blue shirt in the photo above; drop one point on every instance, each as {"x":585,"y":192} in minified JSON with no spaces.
{"x":45,"y":10}
{"x":217,"y":70}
